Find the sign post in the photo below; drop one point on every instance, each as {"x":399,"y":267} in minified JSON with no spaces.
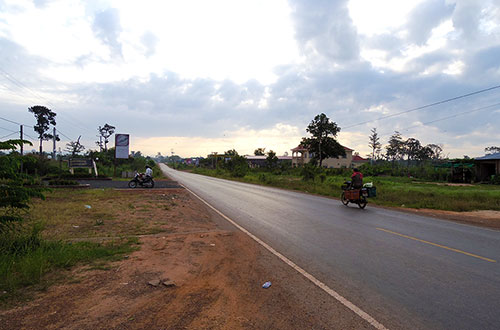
{"x":122,"y":142}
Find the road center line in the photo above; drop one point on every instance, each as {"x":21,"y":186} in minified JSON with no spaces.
{"x":438,"y":245}
{"x":365,"y":316}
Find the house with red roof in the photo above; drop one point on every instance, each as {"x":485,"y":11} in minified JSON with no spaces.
{"x":357,"y":161}
{"x":301,"y":156}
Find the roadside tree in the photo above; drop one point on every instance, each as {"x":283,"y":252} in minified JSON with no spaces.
{"x":44,"y":118}
{"x":260,"y":152}
{"x":106,"y":131}
{"x":492,"y":150}
{"x":395,"y":149}
{"x":271,"y":160}
{"x":322,"y":143}
{"x":374,"y":144}
{"x":75,"y":147}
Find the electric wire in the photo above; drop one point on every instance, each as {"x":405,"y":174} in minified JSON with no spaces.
{"x":14,"y":122}
{"x":3,"y":137}
{"x":6,"y":129}
{"x":12,"y":79}
{"x":447,"y":117}
{"x":58,"y":131}
{"x":425,"y":106}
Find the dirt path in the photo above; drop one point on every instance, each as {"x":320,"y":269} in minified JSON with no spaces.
{"x":217,"y":274}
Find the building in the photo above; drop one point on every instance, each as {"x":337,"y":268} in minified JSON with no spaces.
{"x":487,"y":166}
{"x":357,"y":161}
{"x":260,"y":161}
{"x":301,"y":156}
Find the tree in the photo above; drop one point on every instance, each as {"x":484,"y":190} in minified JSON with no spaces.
{"x":259,"y":152}
{"x":320,"y":143}
{"x":491,"y":150}
{"x":374,"y":144}
{"x":237,"y":165}
{"x":75,"y":147}
{"x":436,"y":150}
{"x":271,"y":159}
{"x":411,"y":148}
{"x":16,"y":188}
{"x":44,"y":118}
{"x":395,"y":149}
{"x":106,"y":131}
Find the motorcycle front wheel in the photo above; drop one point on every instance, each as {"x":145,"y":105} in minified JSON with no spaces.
{"x":362,"y":202}
{"x":132,"y":184}
{"x":344,"y":200}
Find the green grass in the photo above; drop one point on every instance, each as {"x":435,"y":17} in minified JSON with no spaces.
{"x":26,"y":259}
{"x":60,"y":232}
{"x":391,"y":191}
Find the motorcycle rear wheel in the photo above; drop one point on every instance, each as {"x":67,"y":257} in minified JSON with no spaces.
{"x":344,"y":200}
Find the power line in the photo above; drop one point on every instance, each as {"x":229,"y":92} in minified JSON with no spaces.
{"x":6,"y":129}
{"x":3,"y":137}
{"x":58,"y":131}
{"x":14,"y":122}
{"x":35,"y":139}
{"x":12,"y":79}
{"x":426,"y":106}
{"x":448,"y":117}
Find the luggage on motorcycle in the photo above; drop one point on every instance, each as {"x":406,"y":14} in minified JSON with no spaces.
{"x":352,"y":194}
{"x":372,"y":191}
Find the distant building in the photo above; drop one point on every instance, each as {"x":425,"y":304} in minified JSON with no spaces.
{"x":301,"y":156}
{"x":260,"y":161}
{"x":357,"y":161}
{"x":487,"y":166}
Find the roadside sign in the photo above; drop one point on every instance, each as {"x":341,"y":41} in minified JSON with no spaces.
{"x":122,"y":142}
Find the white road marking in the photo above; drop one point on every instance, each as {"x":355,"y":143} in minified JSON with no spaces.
{"x":365,"y":316}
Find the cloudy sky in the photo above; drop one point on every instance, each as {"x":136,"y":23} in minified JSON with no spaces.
{"x":197,"y":76}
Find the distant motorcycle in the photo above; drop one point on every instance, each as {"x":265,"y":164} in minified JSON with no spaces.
{"x":357,"y":196}
{"x":140,"y":180}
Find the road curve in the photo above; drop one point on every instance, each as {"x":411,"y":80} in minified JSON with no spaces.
{"x":407,"y":271}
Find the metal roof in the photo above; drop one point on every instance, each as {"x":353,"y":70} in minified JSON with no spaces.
{"x":490,"y":157}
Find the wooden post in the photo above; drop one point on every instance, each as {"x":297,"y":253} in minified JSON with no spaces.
{"x":54,"y":145}
{"x":22,"y":145}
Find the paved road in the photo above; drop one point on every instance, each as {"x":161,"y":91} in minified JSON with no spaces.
{"x":406,"y":271}
{"x":124,"y":184}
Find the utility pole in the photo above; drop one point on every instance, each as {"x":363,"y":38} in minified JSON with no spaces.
{"x":54,"y":145}
{"x":21,"y":137}
{"x":22,"y":145}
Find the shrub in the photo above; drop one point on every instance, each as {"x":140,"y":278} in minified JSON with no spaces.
{"x":309,"y":172}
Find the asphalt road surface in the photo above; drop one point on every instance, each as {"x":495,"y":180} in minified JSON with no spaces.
{"x":124,"y":184}
{"x":406,"y":271}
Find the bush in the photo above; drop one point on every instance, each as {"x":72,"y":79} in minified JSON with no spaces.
{"x":309,"y":172}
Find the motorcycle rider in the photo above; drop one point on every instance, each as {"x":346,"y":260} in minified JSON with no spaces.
{"x":148,"y":174}
{"x":356,"y":179}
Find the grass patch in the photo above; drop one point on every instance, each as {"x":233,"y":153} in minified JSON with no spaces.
{"x":26,"y":260}
{"x":33,"y":253}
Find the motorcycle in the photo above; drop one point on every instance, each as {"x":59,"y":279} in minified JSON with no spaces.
{"x":142,"y":181}
{"x":356,"y":196}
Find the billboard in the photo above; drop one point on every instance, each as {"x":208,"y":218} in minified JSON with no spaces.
{"x":122,"y":142}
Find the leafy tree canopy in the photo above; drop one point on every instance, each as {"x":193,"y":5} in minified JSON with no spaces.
{"x":259,"y":152}
{"x":322,"y":142}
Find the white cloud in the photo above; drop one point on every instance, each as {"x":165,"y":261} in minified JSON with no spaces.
{"x":195,"y":70}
